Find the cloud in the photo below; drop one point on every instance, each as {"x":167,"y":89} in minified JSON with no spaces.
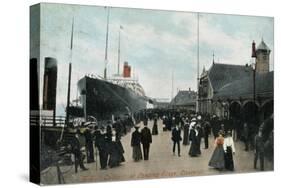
{"x":155,"y":43}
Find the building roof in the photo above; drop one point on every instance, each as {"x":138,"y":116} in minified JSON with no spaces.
{"x":244,"y":87}
{"x":222,"y":74}
{"x":262,"y":46}
{"x":184,"y":97}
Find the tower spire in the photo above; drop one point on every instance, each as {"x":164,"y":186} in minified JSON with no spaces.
{"x":106,"y":44}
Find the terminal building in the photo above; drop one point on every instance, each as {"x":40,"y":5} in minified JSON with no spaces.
{"x":239,"y":91}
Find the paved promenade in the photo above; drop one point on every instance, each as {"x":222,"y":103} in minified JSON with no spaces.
{"x":162,"y":163}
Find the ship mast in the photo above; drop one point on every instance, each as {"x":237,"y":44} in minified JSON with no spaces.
{"x":172,"y":94}
{"x":69,"y":75}
{"x":197,"y":96}
{"x":119,"y":45}
{"x":106,"y":45}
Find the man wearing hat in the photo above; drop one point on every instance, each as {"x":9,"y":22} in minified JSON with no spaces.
{"x":146,"y":140}
{"x":176,"y":138}
{"x":206,"y":127}
{"x":135,"y":143}
{"x":76,"y":149}
{"x":89,"y":143}
{"x":101,"y":145}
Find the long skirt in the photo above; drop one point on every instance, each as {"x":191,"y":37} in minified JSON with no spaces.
{"x":185,"y":136}
{"x":137,"y":154}
{"x":194,"y":150}
{"x":229,"y":165}
{"x":116,"y":156}
{"x":121,"y":151}
{"x":155,"y":129}
{"x":217,"y":159}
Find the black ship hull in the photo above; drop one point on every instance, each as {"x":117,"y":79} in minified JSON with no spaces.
{"x":102,"y":99}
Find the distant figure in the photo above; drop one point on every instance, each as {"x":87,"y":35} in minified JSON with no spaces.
{"x":259,"y":151}
{"x":118,"y":126}
{"x":199,"y":135}
{"x":100,"y":143}
{"x":206,"y":131}
{"x":165,"y":123}
{"x":146,"y":140}
{"x":169,"y":123}
{"x":217,"y":159}
{"x":222,"y":129}
{"x":155,"y":127}
{"x":245,"y":136}
{"x":229,"y":149}
{"x":136,"y":144}
{"x":176,"y":138}
{"x":89,"y":144}
{"x":145,"y":120}
{"x":186,"y":133}
{"x":173,"y":122}
{"x":215,"y":126}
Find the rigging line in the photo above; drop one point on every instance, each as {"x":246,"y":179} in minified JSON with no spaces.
{"x":118,"y":96}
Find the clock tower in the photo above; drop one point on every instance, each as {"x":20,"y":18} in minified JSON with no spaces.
{"x":262,"y":58}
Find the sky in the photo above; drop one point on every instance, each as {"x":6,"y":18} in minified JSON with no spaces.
{"x":157,"y":44}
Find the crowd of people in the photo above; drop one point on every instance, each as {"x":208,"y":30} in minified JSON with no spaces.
{"x":102,"y":140}
{"x":187,"y":129}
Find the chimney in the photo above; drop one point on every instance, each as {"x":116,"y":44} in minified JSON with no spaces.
{"x":254,"y":49}
{"x":126,"y":70}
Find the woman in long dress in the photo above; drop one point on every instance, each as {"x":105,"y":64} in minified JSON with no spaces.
{"x":217,"y":159}
{"x":115,"y":151}
{"x":229,"y":149}
{"x":155,"y":127}
{"x":186,"y":133}
{"x":193,"y":137}
{"x":136,"y":144}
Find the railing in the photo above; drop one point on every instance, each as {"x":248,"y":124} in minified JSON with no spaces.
{"x":52,"y":121}
{"x":36,"y":120}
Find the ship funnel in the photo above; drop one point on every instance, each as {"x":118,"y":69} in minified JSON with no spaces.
{"x":126,"y":70}
{"x":34,"y":85}
{"x":50,"y":84}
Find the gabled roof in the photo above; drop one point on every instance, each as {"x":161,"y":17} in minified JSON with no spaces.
{"x":244,"y":87}
{"x":222,"y":74}
{"x":184,"y":97}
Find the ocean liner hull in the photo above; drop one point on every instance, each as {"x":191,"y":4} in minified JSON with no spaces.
{"x":102,"y":99}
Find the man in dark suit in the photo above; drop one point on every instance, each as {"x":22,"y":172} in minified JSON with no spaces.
{"x":259,"y":150}
{"x":101,"y":145}
{"x":76,"y":150}
{"x":89,"y":144}
{"x":176,"y":137}
{"x":146,"y":140}
{"x":206,"y":128}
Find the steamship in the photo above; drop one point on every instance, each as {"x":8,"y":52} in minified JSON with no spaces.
{"x":104,"y":98}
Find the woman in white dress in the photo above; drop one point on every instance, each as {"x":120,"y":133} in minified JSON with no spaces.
{"x":229,"y":149}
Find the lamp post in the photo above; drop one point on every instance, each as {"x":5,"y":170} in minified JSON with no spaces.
{"x":254,"y":82}
{"x":253,"y":66}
